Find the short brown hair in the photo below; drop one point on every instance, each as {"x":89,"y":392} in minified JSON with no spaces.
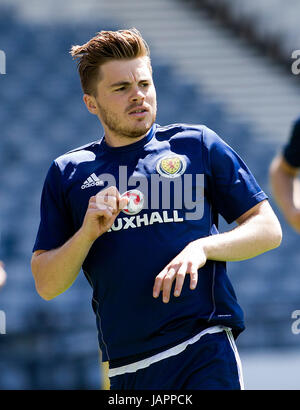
{"x":106,"y":46}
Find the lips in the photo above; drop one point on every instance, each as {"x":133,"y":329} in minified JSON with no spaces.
{"x":138,"y":111}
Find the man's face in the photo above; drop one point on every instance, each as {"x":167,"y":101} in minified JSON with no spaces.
{"x":126,"y":99}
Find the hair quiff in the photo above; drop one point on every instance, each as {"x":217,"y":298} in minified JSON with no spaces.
{"x":106,"y":46}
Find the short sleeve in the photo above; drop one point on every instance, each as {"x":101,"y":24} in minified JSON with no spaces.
{"x":291,"y":151}
{"x":233,"y":188}
{"x":55,"y":226}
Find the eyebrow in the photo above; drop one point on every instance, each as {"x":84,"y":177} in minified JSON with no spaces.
{"x":118,"y":84}
{"x":122,"y":83}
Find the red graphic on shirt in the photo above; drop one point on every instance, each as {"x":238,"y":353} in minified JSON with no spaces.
{"x":135,"y":203}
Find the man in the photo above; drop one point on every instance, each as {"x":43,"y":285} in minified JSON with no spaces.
{"x":283,"y":175}
{"x":139,"y":243}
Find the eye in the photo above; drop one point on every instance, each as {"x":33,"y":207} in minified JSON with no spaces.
{"x":120,"y":88}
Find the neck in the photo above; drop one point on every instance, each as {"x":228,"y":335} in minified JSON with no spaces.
{"x":121,"y":141}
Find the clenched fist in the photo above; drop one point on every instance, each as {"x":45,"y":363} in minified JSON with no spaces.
{"x":102,"y":211}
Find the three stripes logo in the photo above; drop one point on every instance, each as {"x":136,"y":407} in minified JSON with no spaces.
{"x":92,"y":180}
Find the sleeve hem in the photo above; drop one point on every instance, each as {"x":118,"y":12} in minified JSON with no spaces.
{"x":254,"y":200}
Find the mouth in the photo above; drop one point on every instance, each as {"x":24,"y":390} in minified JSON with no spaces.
{"x":138,"y":112}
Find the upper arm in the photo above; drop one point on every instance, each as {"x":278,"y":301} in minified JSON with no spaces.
{"x":37,"y":253}
{"x":34,"y":259}
{"x":280,"y":164}
{"x":56,"y":224}
{"x":233,"y":189}
{"x":268,"y":219}
{"x":262,"y":208}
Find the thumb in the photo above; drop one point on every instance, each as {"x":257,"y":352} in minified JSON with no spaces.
{"x":123,"y":202}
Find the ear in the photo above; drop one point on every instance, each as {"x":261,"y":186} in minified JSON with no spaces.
{"x":90,"y":103}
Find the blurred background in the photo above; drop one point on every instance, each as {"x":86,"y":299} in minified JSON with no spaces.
{"x":222,"y":63}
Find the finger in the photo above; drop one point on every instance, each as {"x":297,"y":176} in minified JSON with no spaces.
{"x":112,"y":196}
{"x":158,"y":282}
{"x":113,"y":192}
{"x":194,"y":276}
{"x":167,"y":284}
{"x":180,"y":279}
{"x":123,"y":202}
{"x":105,"y":213}
{"x":100,"y":209}
{"x":107,"y":200}
{"x":100,"y":206}
{"x":110,"y":191}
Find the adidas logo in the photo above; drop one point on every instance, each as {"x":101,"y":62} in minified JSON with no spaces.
{"x":92,"y":180}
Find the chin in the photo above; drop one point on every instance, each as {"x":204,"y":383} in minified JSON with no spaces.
{"x":137,"y":134}
{"x":139,"y":131}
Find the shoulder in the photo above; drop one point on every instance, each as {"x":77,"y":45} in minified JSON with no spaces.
{"x":193,"y":138}
{"x":190,"y":134}
{"x":179,"y":130}
{"x":76,"y":156}
{"x":188,"y":131}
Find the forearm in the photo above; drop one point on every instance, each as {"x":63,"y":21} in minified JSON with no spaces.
{"x":258,"y":231}
{"x":55,"y":271}
{"x":249,"y":239}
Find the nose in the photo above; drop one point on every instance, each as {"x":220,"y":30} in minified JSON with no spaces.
{"x":137,"y":95}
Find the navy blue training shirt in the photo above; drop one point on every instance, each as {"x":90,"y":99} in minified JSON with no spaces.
{"x":179,"y":178}
{"x":291,"y":151}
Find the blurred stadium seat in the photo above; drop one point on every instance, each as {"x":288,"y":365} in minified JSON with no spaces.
{"x":273,"y":24}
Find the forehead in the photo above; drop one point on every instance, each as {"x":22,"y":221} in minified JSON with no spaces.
{"x":125,"y":70}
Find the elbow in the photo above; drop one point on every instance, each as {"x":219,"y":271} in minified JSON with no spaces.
{"x":271,"y":229}
{"x":277,"y":240}
{"x":41,"y":291}
{"x":39,"y":286}
{"x":44,"y":295}
{"x":276,"y":236}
